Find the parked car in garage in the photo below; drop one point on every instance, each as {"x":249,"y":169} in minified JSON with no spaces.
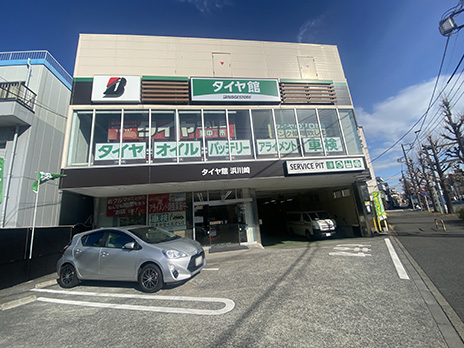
{"x":148,"y":255}
{"x":311,"y":224}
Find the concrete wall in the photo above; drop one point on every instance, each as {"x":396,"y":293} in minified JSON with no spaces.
{"x":38,"y":148}
{"x":174,"y":56}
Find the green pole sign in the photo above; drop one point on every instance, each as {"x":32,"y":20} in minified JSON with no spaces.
{"x":378,"y":204}
{"x":235,"y":90}
{"x":2,"y":162}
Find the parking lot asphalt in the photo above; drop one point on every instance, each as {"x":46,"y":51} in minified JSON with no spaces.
{"x":332,"y":293}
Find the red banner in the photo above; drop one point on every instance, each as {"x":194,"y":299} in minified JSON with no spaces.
{"x":126,"y":206}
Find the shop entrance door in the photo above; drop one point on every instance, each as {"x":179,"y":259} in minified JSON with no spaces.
{"x":220,"y":224}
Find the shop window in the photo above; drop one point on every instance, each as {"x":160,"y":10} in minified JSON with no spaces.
{"x":350,"y":131}
{"x":287,"y":133}
{"x":79,"y":144}
{"x":135,"y":139}
{"x":106,"y":142}
{"x":190,"y":136}
{"x":332,"y":139}
{"x":241,"y":143}
{"x":164,"y":146}
{"x":310,"y":132}
{"x":217,"y":140}
{"x":265,"y":137}
{"x":222,"y":195}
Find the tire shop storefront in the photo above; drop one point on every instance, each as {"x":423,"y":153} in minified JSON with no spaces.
{"x":216,"y":158}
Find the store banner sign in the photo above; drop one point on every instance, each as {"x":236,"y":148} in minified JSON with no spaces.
{"x":164,"y":129}
{"x":332,"y":144}
{"x":221,"y":148}
{"x":235,"y":90}
{"x":169,"y":149}
{"x":269,"y":146}
{"x":129,"y":151}
{"x":116,"y":89}
{"x":126,"y":206}
{"x":324,"y":166}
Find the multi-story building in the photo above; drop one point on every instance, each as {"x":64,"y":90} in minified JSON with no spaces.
{"x":214,"y":139}
{"x":34,"y":99}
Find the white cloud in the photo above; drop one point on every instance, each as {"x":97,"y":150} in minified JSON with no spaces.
{"x":207,"y":6}
{"x":309,"y":30}
{"x":392,"y":118}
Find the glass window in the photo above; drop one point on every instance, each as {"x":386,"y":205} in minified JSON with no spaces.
{"x":118,"y":239}
{"x":350,"y":131}
{"x":96,"y":239}
{"x":331,"y":132}
{"x":106,"y":140}
{"x":190,"y":136}
{"x":310,"y":132}
{"x":163,"y":135}
{"x":287,"y":133}
{"x":265,"y":137}
{"x":79,"y":144}
{"x":216,"y":134}
{"x":135,"y":137}
{"x":240,"y":134}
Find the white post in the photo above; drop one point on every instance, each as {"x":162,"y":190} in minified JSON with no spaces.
{"x":33,"y":220}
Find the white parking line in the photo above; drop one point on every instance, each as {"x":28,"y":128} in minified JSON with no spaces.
{"x":228,"y":304}
{"x":396,"y":260}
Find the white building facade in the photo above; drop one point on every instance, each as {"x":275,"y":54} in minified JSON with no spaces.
{"x":213,"y":139}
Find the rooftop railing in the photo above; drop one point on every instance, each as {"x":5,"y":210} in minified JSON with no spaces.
{"x":37,"y":57}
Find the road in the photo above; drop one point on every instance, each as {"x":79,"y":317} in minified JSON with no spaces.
{"x":439,"y":253}
{"x":333,"y":293}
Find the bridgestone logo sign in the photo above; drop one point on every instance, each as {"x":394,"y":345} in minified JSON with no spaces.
{"x":325,"y":166}
{"x":230,"y":90}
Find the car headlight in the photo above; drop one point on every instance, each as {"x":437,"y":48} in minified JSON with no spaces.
{"x":174,"y":254}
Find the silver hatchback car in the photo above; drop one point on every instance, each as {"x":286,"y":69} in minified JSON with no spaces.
{"x":148,"y":255}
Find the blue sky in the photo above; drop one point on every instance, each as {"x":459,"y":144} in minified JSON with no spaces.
{"x":390,"y":50}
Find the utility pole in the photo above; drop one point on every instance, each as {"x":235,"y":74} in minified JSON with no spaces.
{"x":407,"y":189}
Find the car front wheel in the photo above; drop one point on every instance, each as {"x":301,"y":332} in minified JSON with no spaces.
{"x":150,"y":278}
{"x":68,"y":276}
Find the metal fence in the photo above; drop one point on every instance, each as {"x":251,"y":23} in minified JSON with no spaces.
{"x":16,"y":91}
{"x":15,"y":265}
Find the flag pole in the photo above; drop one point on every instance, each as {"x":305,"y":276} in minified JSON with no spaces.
{"x":33,"y":220}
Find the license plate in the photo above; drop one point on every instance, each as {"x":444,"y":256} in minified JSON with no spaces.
{"x":328,"y":234}
{"x":198,"y":261}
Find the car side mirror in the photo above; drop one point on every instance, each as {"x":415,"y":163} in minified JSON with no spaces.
{"x":130,"y":246}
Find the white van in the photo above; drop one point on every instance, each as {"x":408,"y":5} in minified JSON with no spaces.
{"x":311,"y":224}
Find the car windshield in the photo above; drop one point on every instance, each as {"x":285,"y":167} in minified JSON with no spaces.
{"x":314,"y":216}
{"x":153,"y":235}
{"x":323,"y":215}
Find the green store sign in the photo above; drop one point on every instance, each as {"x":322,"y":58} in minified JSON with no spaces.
{"x":325,"y":166}
{"x":235,"y":90}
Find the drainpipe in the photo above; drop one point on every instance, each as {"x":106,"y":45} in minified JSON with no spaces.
{"x":9,"y":176}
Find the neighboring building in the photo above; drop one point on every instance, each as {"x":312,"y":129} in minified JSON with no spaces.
{"x":219,"y":137}
{"x":34,"y":99}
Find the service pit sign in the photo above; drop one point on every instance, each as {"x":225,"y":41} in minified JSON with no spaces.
{"x":235,"y":90}
{"x":324,"y":166}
